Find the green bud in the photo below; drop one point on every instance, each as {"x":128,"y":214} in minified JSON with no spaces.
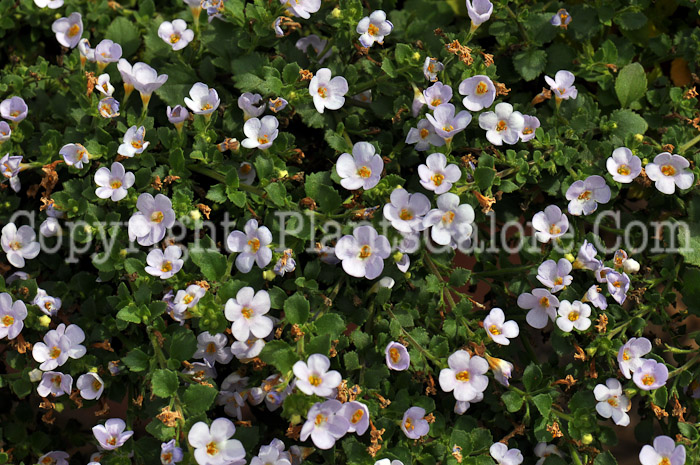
{"x":587,"y":438}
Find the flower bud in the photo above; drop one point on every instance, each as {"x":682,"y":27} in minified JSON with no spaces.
{"x":416,"y":56}
{"x":282,"y":173}
{"x":639,"y":137}
{"x":630,"y":266}
{"x":397,"y":256}
{"x":570,"y":257}
{"x":35,"y":375}
{"x":587,"y":438}
{"x":196,"y":215}
{"x":44,"y":321}
{"x":336,"y":13}
{"x":268,"y":275}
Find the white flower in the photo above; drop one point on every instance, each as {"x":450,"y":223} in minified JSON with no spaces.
{"x":106,"y":52}
{"x":91,"y":386}
{"x":113,"y":183}
{"x":313,"y":376}
{"x":550,"y":223}
{"x":146,"y":80}
{"x":585,"y":195}
{"x":251,"y":104}
{"x":373,"y":28}
{"x":573,"y":315}
{"x":134,"y":142}
{"x":502,"y":369}
{"x":164,"y":264}
{"x":424,"y":135}
{"x":357,"y":415}
{"x":528,"y":131}
{"x":19,"y":244}
{"x":406,"y":211}
{"x":74,"y":155}
{"x":47,"y":304}
{"x":479,"y":11}
{"x":436,"y":175}
{"x":479,"y":91}
{"x":260,"y":133}
{"x":12,"y":316}
{"x":542,"y":305}
{"x":555,"y":275}
{"x":362,"y":169}
{"x":630,"y":355}
{"x":104,"y":86}
{"x":175,"y":34}
{"x":253,"y":245}
{"x":213,"y":348}
{"x":52,"y":4}
{"x":504,"y":456}
{"x":214,"y":446}
{"x":623,"y":166}
{"x":664,"y":452}
{"x":246,"y":350}
{"x":203,"y":100}
{"x":436,"y":95}
{"x":111,"y":435}
{"x":431,"y":67}
{"x":68,"y":30}
{"x":169,"y":453}
{"x":270,"y":455}
{"x":562,"y":85}
{"x":669,"y":171}
{"x":446,"y":123}
{"x":611,"y":402}
{"x":247,"y":312}
{"x":59,"y":344}
{"x":465,"y":376}
{"x":55,"y":457}
{"x":184,"y":300}
{"x":498,"y":329}
{"x":544,"y":450}
{"x":324,"y":425}
{"x":155,"y":215}
{"x":54,"y":383}
{"x":302,"y":8}
{"x":326,"y":92}
{"x":450,"y":222}
{"x":363,"y":253}
{"x":502,"y":125}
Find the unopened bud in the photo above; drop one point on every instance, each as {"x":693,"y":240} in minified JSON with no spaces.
{"x":336,"y":13}
{"x":196,"y":215}
{"x":570,"y":257}
{"x":44,"y":321}
{"x":587,"y":438}
{"x":639,"y":137}
{"x":268,"y":275}
{"x":397,"y":256}
{"x":630,"y":266}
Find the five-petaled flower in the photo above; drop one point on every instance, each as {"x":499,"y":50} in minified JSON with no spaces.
{"x":327,"y":92}
{"x":164,"y":265}
{"x":374,"y":28}
{"x":248,"y":314}
{"x":155,"y":215}
{"x":498,"y":329}
{"x":623,"y":165}
{"x":202,"y":100}
{"x":134,"y":142}
{"x":19,"y":244}
{"x":68,"y":30}
{"x":175,"y":34}
{"x":562,"y":85}
{"x":362,"y":169}
{"x":213,"y":445}
{"x":252,"y":244}
{"x":465,"y":375}
{"x":260,"y":133}
{"x":313,"y":376}
{"x":670,"y":171}
{"x":324,"y":424}
{"x":584,"y":196}
{"x":611,"y":402}
{"x":479,"y":92}
{"x":113,"y":183}
{"x":503,"y":125}
{"x":363,"y":252}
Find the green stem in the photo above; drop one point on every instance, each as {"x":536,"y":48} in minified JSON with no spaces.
{"x":413,"y":342}
{"x":433,"y":268}
{"x":685,"y":366}
{"x":689,"y":144}
{"x":368,"y":85}
{"x":492,"y":273}
{"x":221,"y":178}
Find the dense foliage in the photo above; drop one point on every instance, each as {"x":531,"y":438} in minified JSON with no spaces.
{"x":181,"y":279}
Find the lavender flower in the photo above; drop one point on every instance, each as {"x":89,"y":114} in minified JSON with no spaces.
{"x":68,"y":30}
{"x":550,"y":223}
{"x":406,"y":211}
{"x":203,"y":100}
{"x":562,"y":85}
{"x":414,"y":425}
{"x":363,"y":253}
{"x":13,"y":109}
{"x":12,"y":316}
{"x":664,"y":452}
{"x":465,"y":375}
{"x":542,"y":305}
{"x":450,"y":222}
{"x":502,"y":125}
{"x":561,"y":18}
{"x":362,"y":169}
{"x":252,"y":245}
{"x":423,"y":135}
{"x":19,"y":244}
{"x":397,"y":357}
{"x":107,"y":52}
{"x":528,"y":131}
{"x":357,"y":415}
{"x":555,"y":275}
{"x":611,"y":402}
{"x":437,"y":94}
{"x":479,"y":92}
{"x":155,"y":215}
{"x":498,"y":329}
{"x":623,"y":166}
{"x":630,"y":355}
{"x":585,"y":195}
{"x":431,"y":67}
{"x":446,"y":123}
{"x":164,"y":265}
{"x":573,"y":315}
{"x":260,"y":133}
{"x":251,"y":104}
{"x":175,"y":34}
{"x":668,"y":171}
{"x":248,"y":314}
{"x":650,"y":375}
{"x":374,"y":28}
{"x":54,"y":383}
{"x":326,"y":92}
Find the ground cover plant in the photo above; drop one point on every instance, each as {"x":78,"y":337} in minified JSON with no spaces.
{"x":354,"y":232}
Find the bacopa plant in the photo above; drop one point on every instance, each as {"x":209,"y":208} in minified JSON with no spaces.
{"x":353,"y":232}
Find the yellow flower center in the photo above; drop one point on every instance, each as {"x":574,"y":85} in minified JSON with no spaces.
{"x":559,"y":281}
{"x":448,"y":128}
{"x":323,"y":92}
{"x":585,"y":195}
{"x":408,"y":424}
{"x":554,"y":229}
{"x":212,"y":449}
{"x":96,"y":385}
{"x":544,"y":302}
{"x":424,"y":133}
{"x":174,"y":38}
{"x":648,"y":380}
{"x":16,"y":245}
{"x":493,"y":329}
{"x":56,"y":380}
{"x":527,"y":131}
{"x":263,"y":139}
{"x":406,"y":214}
{"x":314,"y":380}
{"x":247,"y":312}
{"x":106,"y":109}
{"x":365,"y":251}
{"x":617,"y":284}
{"x":573,"y":316}
{"x":394,"y":354}
{"x":8,"y":320}
{"x":665,"y":461}
{"x":207,"y":106}
{"x":320,"y":419}
{"x":437,"y":178}
{"x":137,"y":144}
{"x":625,"y":355}
{"x":55,"y":352}
{"x":481,"y":88}
{"x":436,"y":102}
{"x":463,"y":376}
{"x":187,"y":299}
{"x":448,"y":217}
{"x":166,"y":266}
{"x":364,"y":172}
{"x":623,"y":170}
{"x":372,"y":30}
{"x":357,"y":416}
{"x":112,"y":441}
{"x":115,"y":184}
{"x":501,"y":126}
{"x":157,"y":217}
{"x":73,"y":30}
{"x":668,"y":170}
{"x":613,"y":401}
{"x":254,"y":244}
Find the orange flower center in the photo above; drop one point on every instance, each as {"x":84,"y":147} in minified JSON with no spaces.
{"x":247,"y":312}
{"x":211,"y":348}
{"x":16,"y":245}
{"x":207,"y":106}
{"x":501,"y":126}
{"x":668,"y":170}
{"x":166,"y":457}
{"x":613,"y":401}
{"x":448,"y":217}
{"x":357,"y":416}
{"x":648,"y":380}
{"x":166,"y":266}
{"x":585,"y":195}
{"x":436,"y":102}
{"x":263,"y":139}
{"x":408,"y":424}
{"x":437,"y":178}
{"x":8,"y":320}
{"x":187,"y":299}
{"x":365,"y":251}
{"x":157,"y":217}
{"x":554,"y":229}
{"x":559,"y":281}
{"x":463,"y":376}
{"x":56,"y":380}
{"x":448,"y":128}
{"x":544,"y":302}
{"x":245,"y":169}
{"x":481,"y":88}
{"x":212,"y":449}
{"x":625,"y":355}
{"x":493,"y":329}
{"x":372,"y":30}
{"x":320,"y":419}
{"x":96,"y":385}
{"x":323,"y":92}
{"x":73,"y":30}
{"x":364,"y":172}
{"x":115,"y":184}
{"x":394,"y":354}
{"x":623,"y":170}
{"x":424,"y":133}
{"x":137,"y":144}
{"x":112,"y":441}
{"x":254,"y":244}
{"x":174,"y":38}
{"x":54,"y":352}
{"x":406,"y":214}
{"x":527,"y":131}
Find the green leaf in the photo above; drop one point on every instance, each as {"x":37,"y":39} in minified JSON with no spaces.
{"x":126,"y":34}
{"x":631,"y":20}
{"x":484,"y":177}
{"x":351,"y":361}
{"x":198,"y":398}
{"x":543,"y":402}
{"x":605,"y":458}
{"x":628,"y":123}
{"x":137,"y":360}
{"x":296,"y":309}
{"x":210,"y":261}
{"x":689,"y":239}
{"x":631,"y":84}
{"x":513,"y":401}
{"x":280,"y":355}
{"x":130,"y":313}
{"x":290,"y":73}
{"x":530,"y":63}
{"x":183,"y":344}
{"x":660,"y":396}
{"x":331,"y":323}
{"x":21,"y":387}
{"x":459,"y":277}
{"x":164,"y":383}
{"x":277,"y":193}
{"x":532,"y":377}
